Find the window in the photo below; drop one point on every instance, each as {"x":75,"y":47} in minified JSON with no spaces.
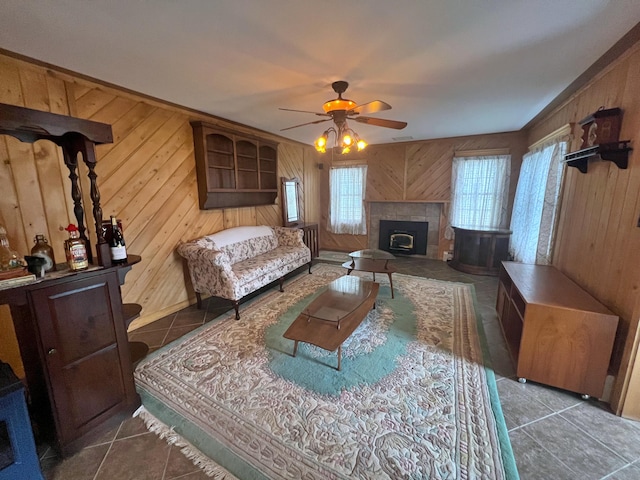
{"x":346,"y":209}
{"x":535,"y":204}
{"x":480,"y":186}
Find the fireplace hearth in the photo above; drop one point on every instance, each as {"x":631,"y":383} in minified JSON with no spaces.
{"x":403,"y":237}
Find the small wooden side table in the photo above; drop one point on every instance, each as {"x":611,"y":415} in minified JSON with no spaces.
{"x":373,"y":261}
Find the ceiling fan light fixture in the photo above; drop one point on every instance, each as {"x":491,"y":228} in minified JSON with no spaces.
{"x":321,"y":141}
{"x":339,"y":104}
{"x":342,"y":109}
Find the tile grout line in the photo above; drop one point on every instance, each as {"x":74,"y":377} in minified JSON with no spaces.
{"x":568,"y":467}
{"x":608,"y":475}
{"x":554,"y":412}
{"x":592,"y":437}
{"x":107,"y":452}
{"x":166,"y":463}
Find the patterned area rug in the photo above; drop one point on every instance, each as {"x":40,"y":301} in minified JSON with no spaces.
{"x":333,"y":257}
{"x":413,"y":399}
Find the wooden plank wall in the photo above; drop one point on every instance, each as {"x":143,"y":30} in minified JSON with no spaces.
{"x":146,"y":178}
{"x":411,"y":172}
{"x":598,"y":239}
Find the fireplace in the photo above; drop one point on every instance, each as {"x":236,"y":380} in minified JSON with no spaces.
{"x":403,"y":237}
{"x":402,"y":242}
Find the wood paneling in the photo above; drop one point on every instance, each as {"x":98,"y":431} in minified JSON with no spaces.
{"x":311,"y":176}
{"x":385,"y":173}
{"x":412,"y":172}
{"x":598,"y":239}
{"x":146,"y":178}
{"x":429,"y":171}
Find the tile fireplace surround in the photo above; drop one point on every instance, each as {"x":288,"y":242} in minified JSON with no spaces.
{"x":413,"y":212}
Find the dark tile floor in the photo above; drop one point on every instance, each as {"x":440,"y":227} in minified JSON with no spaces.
{"x":555,"y":434}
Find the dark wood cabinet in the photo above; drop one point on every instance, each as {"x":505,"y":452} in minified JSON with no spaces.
{"x":72,"y":333}
{"x":234,"y":170}
{"x":72,"y":326}
{"x":480,"y":252}
{"x":84,"y":344}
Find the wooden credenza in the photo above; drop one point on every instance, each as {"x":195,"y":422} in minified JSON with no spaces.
{"x":557,"y":333}
{"x":72,"y":332}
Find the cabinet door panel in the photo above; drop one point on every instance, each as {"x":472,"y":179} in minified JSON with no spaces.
{"x":88,"y":332}
{"x":93,"y":385}
{"x":84,"y":345}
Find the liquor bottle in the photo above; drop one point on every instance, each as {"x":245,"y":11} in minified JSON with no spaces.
{"x":75,"y":250}
{"x":44,"y":250}
{"x":116,"y":243}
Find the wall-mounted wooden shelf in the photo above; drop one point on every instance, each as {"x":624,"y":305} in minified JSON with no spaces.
{"x":616,"y":152}
{"x":234,"y":170}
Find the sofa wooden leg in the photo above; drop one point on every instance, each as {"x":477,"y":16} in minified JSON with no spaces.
{"x":198,"y":300}
{"x":310,"y":263}
{"x":281,"y":282}
{"x":236,"y":306}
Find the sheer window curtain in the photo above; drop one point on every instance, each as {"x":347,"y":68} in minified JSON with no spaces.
{"x":346,"y":210}
{"x":536,"y":204}
{"x":480,"y":187}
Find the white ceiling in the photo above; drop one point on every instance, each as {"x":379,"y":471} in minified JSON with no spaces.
{"x":448,"y":68}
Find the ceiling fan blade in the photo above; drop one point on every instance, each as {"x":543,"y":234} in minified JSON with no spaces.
{"x":304,"y":111}
{"x":303,"y":124}
{"x":371,"y":107}
{"x":381,"y":122}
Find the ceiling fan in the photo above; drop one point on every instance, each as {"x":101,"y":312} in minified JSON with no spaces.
{"x":340,"y":110}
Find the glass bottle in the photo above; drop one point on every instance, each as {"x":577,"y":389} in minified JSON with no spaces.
{"x":75,"y":249}
{"x":43,"y":249}
{"x":8,"y":258}
{"x":116,"y":243}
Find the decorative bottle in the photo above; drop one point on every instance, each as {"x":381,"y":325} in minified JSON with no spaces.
{"x":116,"y":243}
{"x":43,"y":249}
{"x":9,"y":258}
{"x":75,"y":250}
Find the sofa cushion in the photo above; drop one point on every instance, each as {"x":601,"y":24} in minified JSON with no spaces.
{"x":255,"y":272}
{"x":241,"y":243}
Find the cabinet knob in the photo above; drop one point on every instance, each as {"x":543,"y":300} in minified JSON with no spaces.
{"x":52,"y":351}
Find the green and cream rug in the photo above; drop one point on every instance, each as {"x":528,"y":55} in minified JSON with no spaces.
{"x":413,"y":398}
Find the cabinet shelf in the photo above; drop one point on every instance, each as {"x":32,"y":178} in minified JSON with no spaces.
{"x":232,"y":169}
{"x":221,"y":152}
{"x":130,"y":311}
{"x":616,"y":152}
{"x":221,"y":167}
{"x":246,"y":190}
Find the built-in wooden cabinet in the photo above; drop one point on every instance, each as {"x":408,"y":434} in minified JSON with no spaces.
{"x":234,"y":170}
{"x":71,"y":326}
{"x":72,"y":332}
{"x":557,"y":333}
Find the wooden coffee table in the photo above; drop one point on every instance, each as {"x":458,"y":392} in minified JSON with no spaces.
{"x":334,"y":315}
{"x":373,"y":261}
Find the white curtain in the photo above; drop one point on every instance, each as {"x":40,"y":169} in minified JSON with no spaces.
{"x":346,"y":208}
{"x":536,"y":204}
{"x":480,"y":188}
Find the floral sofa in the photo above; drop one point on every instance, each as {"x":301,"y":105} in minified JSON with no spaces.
{"x":237,"y":261}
